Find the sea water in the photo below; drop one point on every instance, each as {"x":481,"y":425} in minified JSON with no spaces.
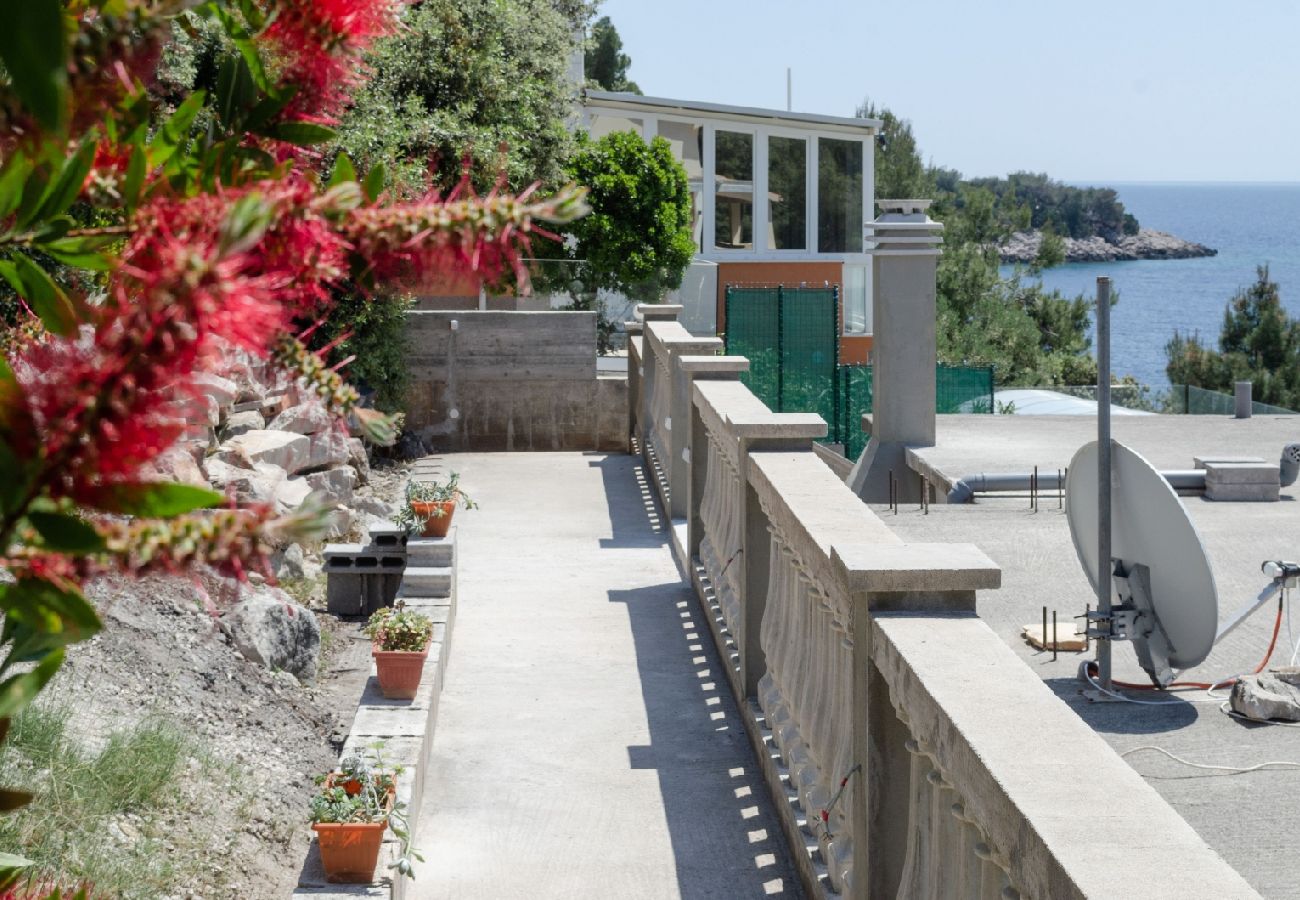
{"x":1249,"y":224}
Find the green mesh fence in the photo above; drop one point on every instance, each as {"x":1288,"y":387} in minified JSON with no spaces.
{"x":958,"y":389}
{"x":791,"y":338}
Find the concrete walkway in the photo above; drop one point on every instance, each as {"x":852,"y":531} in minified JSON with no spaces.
{"x":586,"y":745}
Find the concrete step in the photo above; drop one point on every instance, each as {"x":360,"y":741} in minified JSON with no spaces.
{"x":436,"y":552}
{"x":427,"y":581}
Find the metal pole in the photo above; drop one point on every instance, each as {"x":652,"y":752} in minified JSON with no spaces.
{"x":1103,"y":476}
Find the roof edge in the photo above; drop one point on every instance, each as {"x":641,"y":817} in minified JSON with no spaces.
{"x":628,"y":101}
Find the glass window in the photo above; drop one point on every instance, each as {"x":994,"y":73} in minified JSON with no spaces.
{"x":687,"y":142}
{"x":787,"y":193}
{"x":839,"y":196}
{"x":857,"y":305}
{"x":734,"y":201}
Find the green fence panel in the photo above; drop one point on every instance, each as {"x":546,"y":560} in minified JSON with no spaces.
{"x":810,"y":354}
{"x":791,"y":337}
{"x":754,"y":332}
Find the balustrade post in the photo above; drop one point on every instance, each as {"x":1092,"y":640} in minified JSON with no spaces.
{"x":702,"y":368}
{"x":932,"y":578}
{"x":678,"y":465}
{"x":647,"y":313}
{"x":770,"y":432}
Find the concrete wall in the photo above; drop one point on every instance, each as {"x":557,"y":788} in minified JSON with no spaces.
{"x":512,"y":381}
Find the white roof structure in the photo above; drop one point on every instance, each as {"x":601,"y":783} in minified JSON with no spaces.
{"x":1039,"y":402}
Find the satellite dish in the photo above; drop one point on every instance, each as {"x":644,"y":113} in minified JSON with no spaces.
{"x":1163,"y":593}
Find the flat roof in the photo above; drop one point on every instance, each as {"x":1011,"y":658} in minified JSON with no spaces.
{"x":1250,"y":819}
{"x":620,"y":100}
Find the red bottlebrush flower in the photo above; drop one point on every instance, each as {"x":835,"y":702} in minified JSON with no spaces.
{"x":107,"y":173}
{"x":319,"y":44}
{"x":409,"y":242}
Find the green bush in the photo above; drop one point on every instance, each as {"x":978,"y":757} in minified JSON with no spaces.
{"x":379,"y":342}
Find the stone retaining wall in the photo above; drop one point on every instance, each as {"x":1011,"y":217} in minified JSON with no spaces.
{"x":512,"y":381}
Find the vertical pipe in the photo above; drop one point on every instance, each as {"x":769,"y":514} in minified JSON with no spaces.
{"x":1103,"y":476}
{"x":1056,"y":644}
{"x":780,"y":349}
{"x":1044,"y":628}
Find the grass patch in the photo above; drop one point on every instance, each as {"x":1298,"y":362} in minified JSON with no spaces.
{"x":102,"y":816}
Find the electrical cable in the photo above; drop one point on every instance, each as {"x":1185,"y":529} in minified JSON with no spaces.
{"x":1231,"y":770}
{"x":1088,"y":666}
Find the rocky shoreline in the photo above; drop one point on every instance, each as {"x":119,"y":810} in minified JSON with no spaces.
{"x":1148,"y":243}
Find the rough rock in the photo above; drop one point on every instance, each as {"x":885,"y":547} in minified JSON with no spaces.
{"x":243,"y":422}
{"x":291,"y":494}
{"x":305,"y":418}
{"x":327,"y":449}
{"x":335,"y":484}
{"x":1274,"y":694}
{"x":375,"y":507}
{"x":291,"y":452}
{"x":222,"y":390}
{"x":200,"y":409}
{"x":1148,"y":243}
{"x":257,"y":484}
{"x":268,"y":628}
{"x":290,"y":563}
{"x":359,"y":459}
{"x":177,"y":464}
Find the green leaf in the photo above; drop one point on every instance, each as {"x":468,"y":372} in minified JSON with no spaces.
{"x":155,"y":500}
{"x":65,"y":533}
{"x":245,"y":224}
{"x":343,"y":171}
{"x":35,"y":52}
{"x":45,"y":297}
{"x":235,"y":91}
{"x":81,"y":252}
{"x":19,"y":690}
{"x":65,"y":187}
{"x":12,"y":868}
{"x":267,"y":109}
{"x":41,"y":616}
{"x":301,"y":134}
{"x":16,"y":170}
{"x":374,"y":183}
{"x":135,"y":170}
{"x":175,"y":130}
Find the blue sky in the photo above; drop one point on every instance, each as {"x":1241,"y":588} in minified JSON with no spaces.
{"x":1142,"y":90}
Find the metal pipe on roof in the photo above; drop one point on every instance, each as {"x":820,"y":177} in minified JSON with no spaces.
{"x":964,"y":490}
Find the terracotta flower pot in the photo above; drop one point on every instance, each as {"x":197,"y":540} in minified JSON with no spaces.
{"x":435,"y":525}
{"x":399,"y":671}
{"x":349,"y":851}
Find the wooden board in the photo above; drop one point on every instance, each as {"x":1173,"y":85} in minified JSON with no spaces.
{"x":1067,"y":635}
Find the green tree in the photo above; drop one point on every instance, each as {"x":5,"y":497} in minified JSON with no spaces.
{"x":1258,"y":342}
{"x":487,"y":78}
{"x":605,"y":62}
{"x":637,"y":238}
{"x":900,"y":174}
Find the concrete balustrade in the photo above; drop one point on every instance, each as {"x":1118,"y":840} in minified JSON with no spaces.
{"x":888,"y":718}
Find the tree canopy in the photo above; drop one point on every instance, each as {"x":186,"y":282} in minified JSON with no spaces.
{"x":1258,"y":342}
{"x":487,"y":78}
{"x":1028,"y":334}
{"x":605,"y":62}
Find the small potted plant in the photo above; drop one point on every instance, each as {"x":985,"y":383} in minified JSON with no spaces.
{"x":399,"y":644}
{"x":350,"y":813}
{"x":430,"y":505}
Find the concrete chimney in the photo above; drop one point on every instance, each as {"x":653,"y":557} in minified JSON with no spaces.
{"x":904,"y":263}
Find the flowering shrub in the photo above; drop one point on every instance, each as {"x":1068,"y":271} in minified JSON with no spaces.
{"x":399,"y":629}
{"x":140,"y":243}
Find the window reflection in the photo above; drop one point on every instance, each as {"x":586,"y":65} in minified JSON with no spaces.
{"x":687,"y":142}
{"x":787,"y":193}
{"x":734,"y":200}
{"x":839,"y":196}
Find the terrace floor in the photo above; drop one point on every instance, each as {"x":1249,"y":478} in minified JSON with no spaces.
{"x":587,"y":744}
{"x":1249,"y":818}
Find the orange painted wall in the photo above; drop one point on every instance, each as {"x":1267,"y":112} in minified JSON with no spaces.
{"x":855,"y":350}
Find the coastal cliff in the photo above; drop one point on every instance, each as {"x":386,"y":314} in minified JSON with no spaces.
{"x":1148,"y":243}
